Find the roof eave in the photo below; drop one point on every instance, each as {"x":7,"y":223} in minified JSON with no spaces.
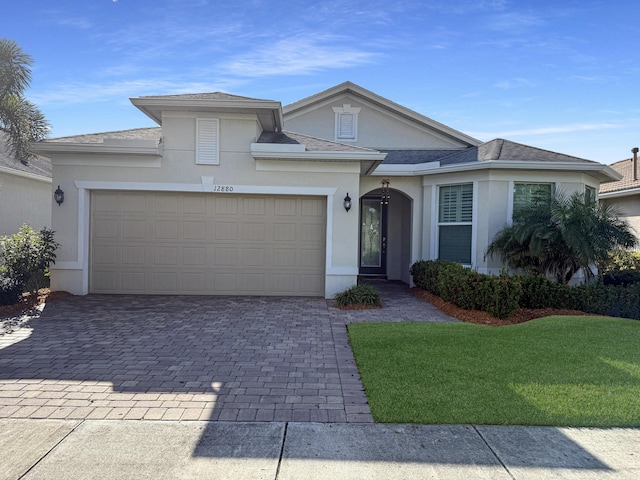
{"x":51,"y":148}
{"x":23,"y":174}
{"x":627,"y":192}
{"x":604,"y":173}
{"x":269,"y":112}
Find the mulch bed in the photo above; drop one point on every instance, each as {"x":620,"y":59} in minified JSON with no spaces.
{"x":483,"y":318}
{"x":29,"y":301}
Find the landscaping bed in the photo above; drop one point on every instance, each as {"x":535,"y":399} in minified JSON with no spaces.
{"x":483,"y":318}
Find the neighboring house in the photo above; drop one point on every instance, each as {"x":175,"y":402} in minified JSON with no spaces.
{"x":224,"y":198}
{"x":25,"y":191}
{"x":625,"y":193}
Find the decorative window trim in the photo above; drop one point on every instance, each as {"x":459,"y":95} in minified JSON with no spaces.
{"x":207,"y":141}
{"x":346,"y":123}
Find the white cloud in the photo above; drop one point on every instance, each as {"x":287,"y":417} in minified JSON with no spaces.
{"x":546,"y":130}
{"x":514,"y":83}
{"x":298,"y":55}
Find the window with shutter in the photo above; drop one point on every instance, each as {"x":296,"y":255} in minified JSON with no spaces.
{"x":455,"y":217}
{"x":207,"y":141}
{"x":526,"y":193}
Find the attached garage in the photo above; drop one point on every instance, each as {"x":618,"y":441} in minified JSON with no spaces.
{"x":207,"y":244}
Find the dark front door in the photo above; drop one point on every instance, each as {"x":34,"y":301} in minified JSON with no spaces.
{"x":373,"y":236}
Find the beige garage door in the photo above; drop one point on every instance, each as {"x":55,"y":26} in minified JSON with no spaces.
{"x":203,"y":244}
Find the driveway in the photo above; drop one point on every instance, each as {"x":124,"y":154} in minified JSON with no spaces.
{"x":192,"y":358}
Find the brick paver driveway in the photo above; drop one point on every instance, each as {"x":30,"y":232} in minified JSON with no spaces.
{"x":192,"y":358}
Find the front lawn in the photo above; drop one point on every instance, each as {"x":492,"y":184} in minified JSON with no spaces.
{"x":563,"y":371}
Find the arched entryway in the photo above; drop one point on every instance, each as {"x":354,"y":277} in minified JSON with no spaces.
{"x":385,"y":234}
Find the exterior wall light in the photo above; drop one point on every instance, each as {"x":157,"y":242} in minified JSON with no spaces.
{"x":58,"y":196}
{"x":347,"y":202}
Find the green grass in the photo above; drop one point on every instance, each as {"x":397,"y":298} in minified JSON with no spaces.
{"x":563,"y":371}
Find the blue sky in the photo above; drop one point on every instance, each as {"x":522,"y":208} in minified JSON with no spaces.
{"x":561,"y":75}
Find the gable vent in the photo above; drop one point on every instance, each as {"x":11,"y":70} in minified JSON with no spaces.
{"x":207,"y":141}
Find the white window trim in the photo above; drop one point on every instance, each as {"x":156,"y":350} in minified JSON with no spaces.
{"x":207,"y":154}
{"x":346,"y":108}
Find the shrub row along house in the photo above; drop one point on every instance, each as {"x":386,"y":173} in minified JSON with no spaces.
{"x":240,"y":196}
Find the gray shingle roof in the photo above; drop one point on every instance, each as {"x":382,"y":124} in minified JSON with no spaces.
{"x":414,"y":157}
{"x":153,"y":133}
{"x":625,"y":168}
{"x":38,"y":165}
{"x":311,"y":143}
{"x":204,"y":96}
{"x":500,"y":149}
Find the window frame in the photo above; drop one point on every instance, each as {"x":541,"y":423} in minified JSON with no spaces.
{"x":207,"y":151}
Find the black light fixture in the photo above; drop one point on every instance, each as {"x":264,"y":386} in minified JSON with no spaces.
{"x":347,"y":202}
{"x":58,"y":196}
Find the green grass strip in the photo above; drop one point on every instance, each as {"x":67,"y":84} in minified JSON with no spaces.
{"x":562,"y":371}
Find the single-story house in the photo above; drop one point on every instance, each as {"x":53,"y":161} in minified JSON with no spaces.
{"x":624,"y":194}
{"x":232,"y":195}
{"x":25,"y":191}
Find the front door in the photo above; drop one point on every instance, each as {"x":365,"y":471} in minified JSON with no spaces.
{"x":373,"y":236}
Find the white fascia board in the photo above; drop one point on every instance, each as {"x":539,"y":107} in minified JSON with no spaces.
{"x":277,"y":147}
{"x":317,"y":155}
{"x":605,"y":171}
{"x":620,"y":193}
{"x":20,"y":173}
{"x":397,"y":170}
{"x":94,"y":148}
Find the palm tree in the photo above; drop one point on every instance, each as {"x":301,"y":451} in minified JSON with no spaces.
{"x":20,"y":119}
{"x":560,"y":236}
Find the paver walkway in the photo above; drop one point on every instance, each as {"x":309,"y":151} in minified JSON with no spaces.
{"x":192,"y":358}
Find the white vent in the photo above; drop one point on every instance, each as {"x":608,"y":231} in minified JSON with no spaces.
{"x":346,"y":123}
{"x":207,"y":141}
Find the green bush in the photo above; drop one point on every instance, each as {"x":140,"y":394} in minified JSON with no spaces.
{"x":362,"y":294}
{"x":25,"y":257}
{"x":10,"y":291}
{"x":425,"y":274}
{"x":499,"y":296}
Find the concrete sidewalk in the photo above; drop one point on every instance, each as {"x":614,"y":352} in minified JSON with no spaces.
{"x":103,"y":449}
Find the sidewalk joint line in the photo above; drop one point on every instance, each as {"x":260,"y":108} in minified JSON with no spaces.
{"x":284,"y":439}
{"x":493,"y":451}
{"x":51,"y":450}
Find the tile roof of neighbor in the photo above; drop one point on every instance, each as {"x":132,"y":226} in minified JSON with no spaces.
{"x":625,"y":168}
{"x":311,"y":143}
{"x":153,"y":133}
{"x":37,"y":165}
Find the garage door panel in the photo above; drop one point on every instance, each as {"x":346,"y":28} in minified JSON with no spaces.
{"x":160,"y":243}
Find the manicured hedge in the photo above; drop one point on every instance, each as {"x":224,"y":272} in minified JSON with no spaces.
{"x":502,"y":295}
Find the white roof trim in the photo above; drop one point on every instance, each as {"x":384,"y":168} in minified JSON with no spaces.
{"x":29,"y":175}
{"x":330,"y":155}
{"x":95,"y":148}
{"x":620,"y":193}
{"x":603,"y":172}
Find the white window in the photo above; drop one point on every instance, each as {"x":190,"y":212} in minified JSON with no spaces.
{"x":526,"y":193}
{"x":346,"y":123}
{"x":455,"y":217}
{"x":207,"y":141}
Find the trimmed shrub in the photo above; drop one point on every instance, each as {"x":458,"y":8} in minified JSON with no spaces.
{"x":25,"y":257}
{"x":499,"y":296}
{"x":425,"y":274}
{"x":10,"y":291}
{"x":362,"y":294}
